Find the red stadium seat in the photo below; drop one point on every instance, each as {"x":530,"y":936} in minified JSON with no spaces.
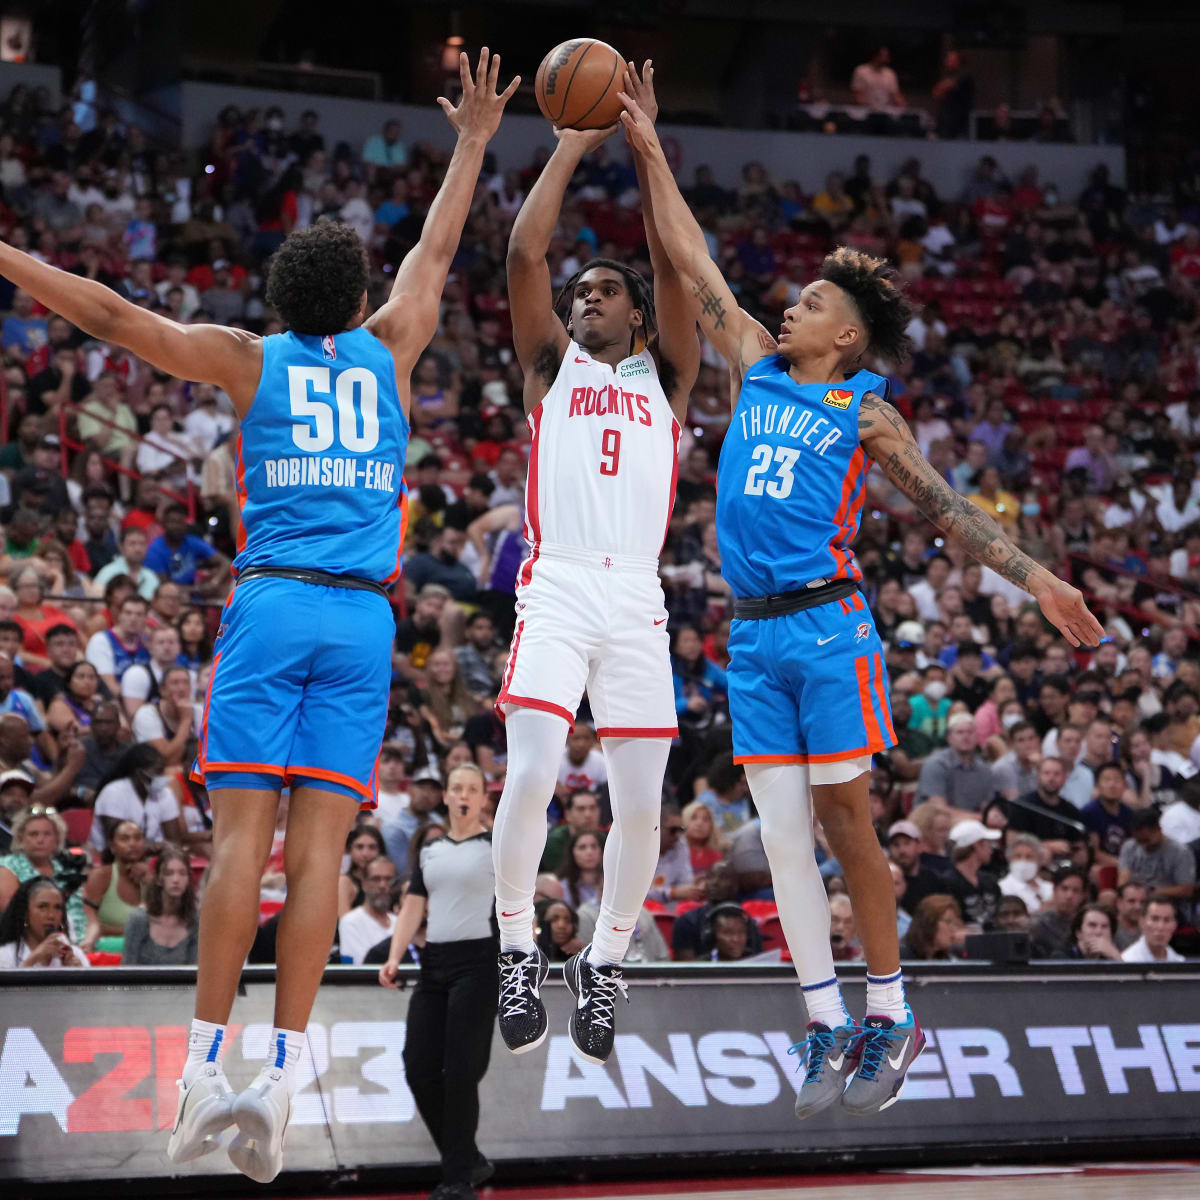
{"x":686,"y":906}
{"x":760,"y":910}
{"x":267,"y":909}
{"x":79,"y":825}
{"x":771,"y":930}
{"x":666,"y":925}
{"x":101,"y":958}
{"x":654,"y":906}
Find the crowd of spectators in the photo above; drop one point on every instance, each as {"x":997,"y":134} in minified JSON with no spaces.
{"x":1054,"y":381}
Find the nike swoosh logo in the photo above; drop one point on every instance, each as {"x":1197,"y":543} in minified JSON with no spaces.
{"x":580,"y":360}
{"x":898,"y":1061}
{"x":618,"y":929}
{"x":756,"y":378}
{"x":836,"y":1063}
{"x":660,"y":622}
{"x":516,"y":914}
{"x":823,"y":641}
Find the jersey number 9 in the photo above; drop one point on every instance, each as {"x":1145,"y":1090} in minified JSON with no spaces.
{"x":316,"y":434}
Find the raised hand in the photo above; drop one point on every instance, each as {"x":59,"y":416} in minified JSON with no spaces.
{"x":639,"y":128}
{"x":582,"y":141}
{"x":480,"y":107}
{"x":641,"y":91}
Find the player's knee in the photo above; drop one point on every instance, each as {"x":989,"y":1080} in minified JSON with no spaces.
{"x":531,"y":780}
{"x":787,"y":841}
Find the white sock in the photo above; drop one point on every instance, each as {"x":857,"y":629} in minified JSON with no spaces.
{"x":885,"y":997}
{"x":784,"y":802}
{"x":824,"y":1003}
{"x":535,"y":748}
{"x":206,"y":1044}
{"x":636,"y":767}
{"x":283,"y":1053}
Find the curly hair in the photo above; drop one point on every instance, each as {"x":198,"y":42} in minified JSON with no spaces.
{"x":640,"y":292}
{"x":16,"y":915}
{"x":870,"y":283}
{"x":317,"y":278}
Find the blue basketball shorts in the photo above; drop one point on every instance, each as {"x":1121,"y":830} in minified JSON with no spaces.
{"x":299,"y":689}
{"x":809,"y":687}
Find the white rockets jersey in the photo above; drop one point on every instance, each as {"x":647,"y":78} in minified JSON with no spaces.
{"x":604,"y":459}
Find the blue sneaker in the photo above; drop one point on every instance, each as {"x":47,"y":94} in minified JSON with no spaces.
{"x":885,"y":1052}
{"x":828,"y":1056}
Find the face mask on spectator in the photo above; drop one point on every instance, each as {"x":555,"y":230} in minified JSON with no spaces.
{"x":1010,"y":719}
{"x":1023,"y":869}
{"x":934,"y":691}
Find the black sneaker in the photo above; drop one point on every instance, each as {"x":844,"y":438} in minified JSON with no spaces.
{"x":523,"y":1024}
{"x":482,"y":1171}
{"x":595,"y":990}
{"x":453,"y":1191}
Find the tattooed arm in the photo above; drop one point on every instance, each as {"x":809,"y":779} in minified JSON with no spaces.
{"x":885,"y":436}
{"x":737,"y":336}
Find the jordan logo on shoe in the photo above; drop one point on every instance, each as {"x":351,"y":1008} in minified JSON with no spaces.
{"x":896,"y":1062}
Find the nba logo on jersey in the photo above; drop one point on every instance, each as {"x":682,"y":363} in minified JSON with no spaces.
{"x":838,"y":398}
{"x":328,"y":348}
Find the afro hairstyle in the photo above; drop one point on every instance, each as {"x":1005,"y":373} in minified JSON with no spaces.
{"x":317,"y":278}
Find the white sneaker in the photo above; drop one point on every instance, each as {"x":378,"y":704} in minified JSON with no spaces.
{"x":262,"y":1113}
{"x":205,"y":1110}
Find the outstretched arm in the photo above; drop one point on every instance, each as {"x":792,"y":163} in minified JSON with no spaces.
{"x":885,"y":436}
{"x":678,"y":346}
{"x":738,"y":337}
{"x":407,"y":322}
{"x":229,"y":358}
{"x":538,"y":335}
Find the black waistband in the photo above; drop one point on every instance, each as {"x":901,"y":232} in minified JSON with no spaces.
{"x":318,"y":578}
{"x":759,"y":608}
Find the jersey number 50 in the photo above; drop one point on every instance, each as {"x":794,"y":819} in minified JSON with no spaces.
{"x":318,"y":435}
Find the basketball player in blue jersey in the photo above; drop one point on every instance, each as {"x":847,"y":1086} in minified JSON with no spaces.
{"x":302,"y":669}
{"x":808,"y":692}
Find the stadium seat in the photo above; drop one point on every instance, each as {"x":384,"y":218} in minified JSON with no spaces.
{"x":771,"y":931}
{"x":666,"y":926}
{"x":686,"y":906}
{"x":99,"y":958}
{"x":761,"y":910}
{"x":79,"y":825}
{"x":654,"y":906}
{"x":267,"y":909}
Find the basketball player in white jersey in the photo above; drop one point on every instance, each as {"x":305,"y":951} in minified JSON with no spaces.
{"x":605,"y":399}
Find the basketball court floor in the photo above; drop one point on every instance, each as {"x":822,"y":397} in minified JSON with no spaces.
{"x":1106,"y":1181}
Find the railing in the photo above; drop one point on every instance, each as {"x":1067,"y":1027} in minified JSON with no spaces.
{"x":66,"y":443}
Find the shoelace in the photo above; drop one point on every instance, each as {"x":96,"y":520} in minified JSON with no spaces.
{"x":873,"y":1047}
{"x":812,"y":1052}
{"x":603,"y":994}
{"x":514,"y":988}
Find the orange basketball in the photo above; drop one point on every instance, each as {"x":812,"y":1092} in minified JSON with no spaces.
{"x":578,"y":82}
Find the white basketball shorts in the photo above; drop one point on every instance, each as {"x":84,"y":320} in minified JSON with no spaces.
{"x":587,"y":619}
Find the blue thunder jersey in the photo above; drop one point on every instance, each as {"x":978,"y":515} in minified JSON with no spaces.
{"x":320,"y":458}
{"x":791,"y":480}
